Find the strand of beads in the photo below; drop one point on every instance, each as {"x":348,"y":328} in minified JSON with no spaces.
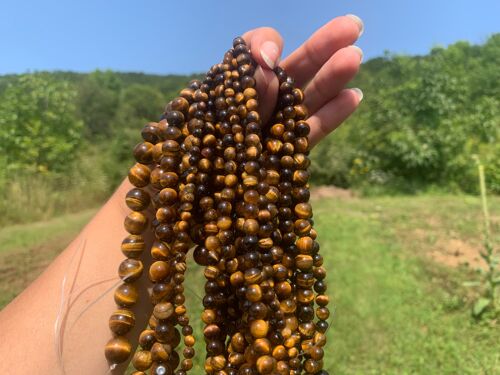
{"x":238,"y":190}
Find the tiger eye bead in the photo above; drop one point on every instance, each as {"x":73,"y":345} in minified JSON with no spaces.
{"x":139,"y":175}
{"x":142,"y":360}
{"x":158,"y":271}
{"x":130,"y":270}
{"x":137,"y":199}
{"x":126,"y":295}
{"x":147,"y":339}
{"x":121,"y":321}
{"x":135,"y":222}
{"x":266,"y":364}
{"x":259,"y":328}
{"x":117,"y":350}
{"x":143,"y":152}
{"x":133,"y":246}
{"x":163,"y":310}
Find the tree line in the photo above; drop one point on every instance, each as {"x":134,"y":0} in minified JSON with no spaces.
{"x":422,"y":120}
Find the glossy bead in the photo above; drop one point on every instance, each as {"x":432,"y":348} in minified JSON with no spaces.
{"x":135,"y":222}
{"x":137,"y":199}
{"x":126,"y":295}
{"x":117,"y":350}
{"x":133,"y":246}
{"x":130,"y":270}
{"x":142,"y":360}
{"x":121,"y":321}
{"x":259,"y":328}
{"x":139,"y":175}
{"x":163,"y":310}
{"x":147,"y":339}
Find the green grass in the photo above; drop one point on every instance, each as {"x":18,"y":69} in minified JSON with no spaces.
{"x":396,"y":311}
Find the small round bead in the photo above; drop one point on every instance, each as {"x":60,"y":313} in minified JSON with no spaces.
{"x":126,"y":295}
{"x":130,"y":270}
{"x":121,"y":321}
{"x":259,"y":328}
{"x":117,"y":350}
{"x":137,"y":199}
{"x":135,"y":222}
{"x":133,"y":246}
{"x":142,"y":360}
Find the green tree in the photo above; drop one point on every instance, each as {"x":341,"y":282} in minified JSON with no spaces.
{"x":39,"y":127}
{"x":98,"y":100}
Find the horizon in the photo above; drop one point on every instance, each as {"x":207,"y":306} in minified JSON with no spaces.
{"x":386,"y":54}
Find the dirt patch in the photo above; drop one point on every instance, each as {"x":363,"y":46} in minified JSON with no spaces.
{"x":454,"y":252}
{"x":331,"y":192}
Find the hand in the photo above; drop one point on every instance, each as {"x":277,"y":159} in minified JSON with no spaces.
{"x":321,"y":67}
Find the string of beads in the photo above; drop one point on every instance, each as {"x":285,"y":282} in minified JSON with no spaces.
{"x":236,"y":190}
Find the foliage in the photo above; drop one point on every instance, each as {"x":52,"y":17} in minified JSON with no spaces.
{"x":490,"y":278}
{"x":39,"y":128}
{"x":420,"y":122}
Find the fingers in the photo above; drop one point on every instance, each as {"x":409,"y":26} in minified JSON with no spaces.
{"x":332,"y":77}
{"x":305,"y":61}
{"x":266,"y":46}
{"x":333,"y":113}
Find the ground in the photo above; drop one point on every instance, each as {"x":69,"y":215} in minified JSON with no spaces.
{"x":396,"y":267}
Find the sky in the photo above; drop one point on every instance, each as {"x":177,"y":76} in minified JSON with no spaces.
{"x":188,"y":36}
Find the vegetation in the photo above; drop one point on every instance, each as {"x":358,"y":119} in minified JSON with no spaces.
{"x":397,"y":311}
{"x":422,"y":119}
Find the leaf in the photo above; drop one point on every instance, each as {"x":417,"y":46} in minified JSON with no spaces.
{"x":480,"y":306}
{"x":496,"y":281}
{"x":471,"y":283}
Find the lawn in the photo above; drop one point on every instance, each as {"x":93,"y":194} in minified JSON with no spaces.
{"x":394,"y":278}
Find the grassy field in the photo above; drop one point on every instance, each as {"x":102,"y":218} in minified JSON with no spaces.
{"x":394,"y":277}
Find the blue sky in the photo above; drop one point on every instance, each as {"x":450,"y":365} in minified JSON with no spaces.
{"x":188,"y":36}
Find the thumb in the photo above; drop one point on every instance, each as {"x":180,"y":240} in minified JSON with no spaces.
{"x":266,"y":46}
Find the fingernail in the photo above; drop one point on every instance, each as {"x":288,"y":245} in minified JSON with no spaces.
{"x":359,"y":21}
{"x":359,"y":51}
{"x":270,"y":54}
{"x":359,"y":93}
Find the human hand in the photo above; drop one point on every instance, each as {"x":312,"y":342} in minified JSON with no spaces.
{"x":321,"y":67}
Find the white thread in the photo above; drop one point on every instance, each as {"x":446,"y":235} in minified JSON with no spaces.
{"x":60,"y":315}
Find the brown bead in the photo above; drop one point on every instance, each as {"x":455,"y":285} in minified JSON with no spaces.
{"x":126,"y":295}
{"x":135,"y":222}
{"x":159,"y":352}
{"x":322,"y":300}
{"x":139,"y":175}
{"x":142,"y":360}
{"x":253,"y":293}
{"x":160,"y":250}
{"x":163,"y":310}
{"x":305,"y":245}
{"x":147,"y":339}
{"x":130,"y":270}
{"x":304,"y":262}
{"x":117,"y":350}
{"x":158,"y":271}
{"x":133,"y":246}
{"x":121,"y":322}
{"x":303,"y":210}
{"x":259,"y":328}
{"x":262,"y":346}
{"x":137,"y":199}
{"x":265,"y":364}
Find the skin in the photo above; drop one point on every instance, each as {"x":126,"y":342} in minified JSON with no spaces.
{"x":322,"y":66}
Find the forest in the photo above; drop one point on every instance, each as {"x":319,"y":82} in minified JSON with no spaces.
{"x":66,"y":137}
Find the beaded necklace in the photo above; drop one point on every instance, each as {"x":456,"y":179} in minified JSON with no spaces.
{"x":237,"y":191}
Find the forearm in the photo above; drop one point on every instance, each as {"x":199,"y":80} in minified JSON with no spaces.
{"x":89,"y":265}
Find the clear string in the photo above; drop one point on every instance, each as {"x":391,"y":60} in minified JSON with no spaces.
{"x":61,"y":315}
